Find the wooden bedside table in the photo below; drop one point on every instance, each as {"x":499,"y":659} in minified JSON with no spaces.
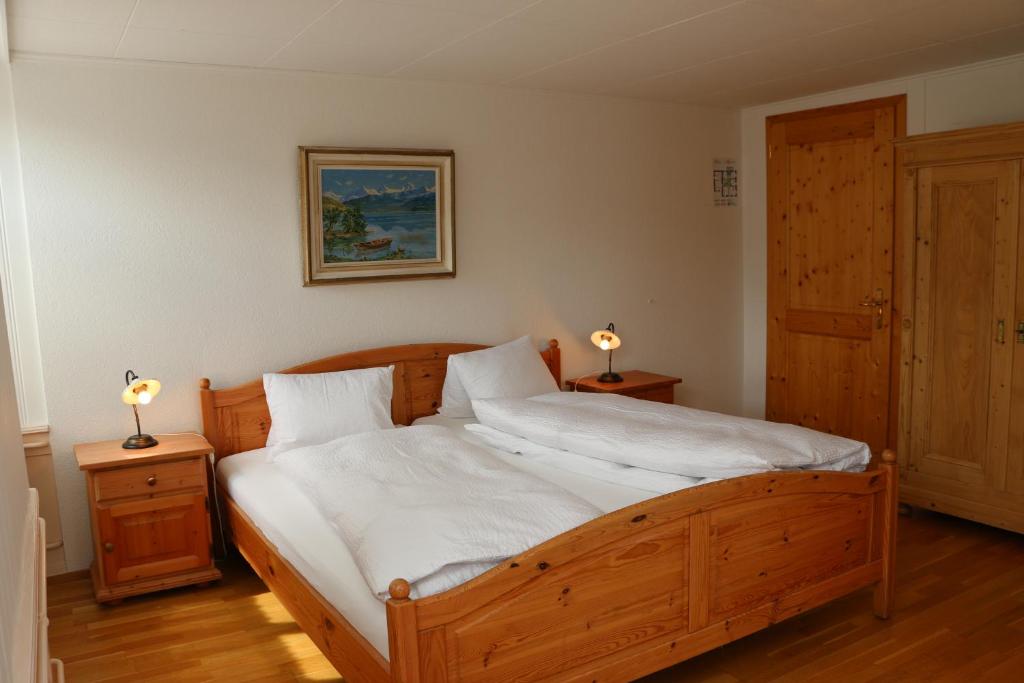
{"x":150,"y":515}
{"x":635,"y":383}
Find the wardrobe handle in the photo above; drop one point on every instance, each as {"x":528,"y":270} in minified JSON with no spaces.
{"x":1001,"y":332}
{"x":1020,"y":332}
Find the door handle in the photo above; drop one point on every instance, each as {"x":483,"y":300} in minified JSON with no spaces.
{"x":878,"y":304}
{"x":1001,"y":332}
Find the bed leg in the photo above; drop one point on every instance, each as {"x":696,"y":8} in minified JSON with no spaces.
{"x":403,"y":641}
{"x":885,"y":591}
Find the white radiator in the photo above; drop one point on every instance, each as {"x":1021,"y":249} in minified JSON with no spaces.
{"x":45,"y":670}
{"x":42,"y":621}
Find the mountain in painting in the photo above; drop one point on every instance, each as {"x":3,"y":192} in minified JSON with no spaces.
{"x":329,"y":200}
{"x":417,"y":199}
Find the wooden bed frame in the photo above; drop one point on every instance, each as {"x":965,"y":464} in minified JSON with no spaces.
{"x":624,"y":595}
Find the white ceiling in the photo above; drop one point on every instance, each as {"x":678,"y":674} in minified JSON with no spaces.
{"x":720,"y":52}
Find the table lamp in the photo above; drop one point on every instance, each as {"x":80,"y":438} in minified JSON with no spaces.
{"x":139,"y":391}
{"x":607,"y":340}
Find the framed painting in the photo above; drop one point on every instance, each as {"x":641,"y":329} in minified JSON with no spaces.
{"x":376,"y":214}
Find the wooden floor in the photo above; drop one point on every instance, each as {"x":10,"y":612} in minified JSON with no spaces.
{"x":959,"y":617}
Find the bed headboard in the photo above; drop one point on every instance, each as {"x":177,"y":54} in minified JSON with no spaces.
{"x":237,"y":419}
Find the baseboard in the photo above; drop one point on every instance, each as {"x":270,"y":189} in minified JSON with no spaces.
{"x":67,"y":577}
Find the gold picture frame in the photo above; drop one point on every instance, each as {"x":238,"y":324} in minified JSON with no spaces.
{"x":376,"y":214}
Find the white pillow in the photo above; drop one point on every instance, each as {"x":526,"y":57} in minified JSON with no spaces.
{"x":454,"y":399}
{"x":316,"y":408}
{"x":512,"y":370}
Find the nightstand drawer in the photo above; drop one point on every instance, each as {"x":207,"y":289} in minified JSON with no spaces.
{"x":144,"y":480}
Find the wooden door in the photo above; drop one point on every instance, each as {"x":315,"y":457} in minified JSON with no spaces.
{"x":964,"y":300}
{"x":831,"y":187}
{"x":155,"y":536}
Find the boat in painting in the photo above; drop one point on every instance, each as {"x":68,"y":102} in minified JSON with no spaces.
{"x":373,"y":245}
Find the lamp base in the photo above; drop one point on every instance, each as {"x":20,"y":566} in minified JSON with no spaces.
{"x":609,"y":377}
{"x":136,"y":441}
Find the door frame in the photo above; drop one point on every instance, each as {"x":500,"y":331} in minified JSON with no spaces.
{"x":899,"y":102}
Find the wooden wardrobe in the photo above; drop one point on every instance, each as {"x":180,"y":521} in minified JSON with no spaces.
{"x":961,"y":310}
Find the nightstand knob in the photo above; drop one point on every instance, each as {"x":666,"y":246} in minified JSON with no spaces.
{"x":108,"y":547}
{"x":151,"y":480}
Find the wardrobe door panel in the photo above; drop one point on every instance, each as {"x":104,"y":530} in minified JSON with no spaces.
{"x":966,"y":258}
{"x":1015,"y":449}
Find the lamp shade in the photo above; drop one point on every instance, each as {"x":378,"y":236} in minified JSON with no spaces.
{"x":606,"y":340}
{"x":141,"y":391}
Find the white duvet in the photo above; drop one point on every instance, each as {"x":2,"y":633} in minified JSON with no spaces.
{"x":419,"y":503}
{"x":604,"y":470}
{"x":671,"y":439}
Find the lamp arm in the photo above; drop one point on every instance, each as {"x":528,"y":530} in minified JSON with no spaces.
{"x":130,"y":377}
{"x":609,"y":361}
{"x":138,"y":427}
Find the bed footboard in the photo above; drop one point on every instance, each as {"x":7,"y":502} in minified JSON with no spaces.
{"x":656,"y":583}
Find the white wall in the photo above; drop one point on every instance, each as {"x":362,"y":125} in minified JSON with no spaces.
{"x":163,"y":212}
{"x":18,"y":508}
{"x":17,"y":519}
{"x":15,"y":265}
{"x":977,"y":95}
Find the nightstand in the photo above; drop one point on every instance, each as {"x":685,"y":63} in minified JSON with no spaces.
{"x":150,"y":513}
{"x":635,"y":383}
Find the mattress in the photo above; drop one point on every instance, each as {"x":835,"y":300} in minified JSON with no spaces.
{"x":289,"y":520}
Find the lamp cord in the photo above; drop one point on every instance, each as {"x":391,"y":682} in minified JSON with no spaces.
{"x":576,"y":384}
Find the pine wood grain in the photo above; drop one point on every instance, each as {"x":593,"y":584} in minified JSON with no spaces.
{"x":985,"y":143}
{"x":150,"y":516}
{"x":328,"y":628}
{"x":959,"y":617}
{"x":165,"y":477}
{"x":608,"y":601}
{"x":963,"y":295}
{"x":961,"y":398}
{"x":830,"y":249}
{"x":636,"y":383}
{"x":237,"y":419}
{"x":109,"y":454}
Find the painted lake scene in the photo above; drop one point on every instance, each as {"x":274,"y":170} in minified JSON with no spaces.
{"x":379,"y":214}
